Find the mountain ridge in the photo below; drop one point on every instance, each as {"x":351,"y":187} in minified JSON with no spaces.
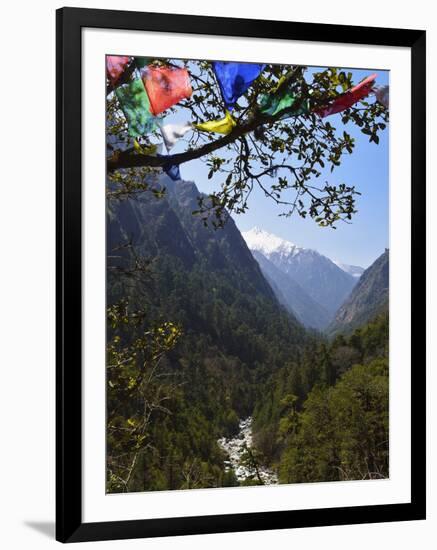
{"x":368,"y":299}
{"x":292,"y":296}
{"x":326,"y":283}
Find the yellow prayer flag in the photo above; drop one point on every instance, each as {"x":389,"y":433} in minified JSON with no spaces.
{"x":223,"y":126}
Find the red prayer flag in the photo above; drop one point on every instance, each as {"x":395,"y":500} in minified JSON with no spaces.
{"x":115,"y":66}
{"x":349,"y":98}
{"x":166,"y":86}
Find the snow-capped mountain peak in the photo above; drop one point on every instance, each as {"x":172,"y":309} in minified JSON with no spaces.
{"x":266,"y":243}
{"x":325,"y":282}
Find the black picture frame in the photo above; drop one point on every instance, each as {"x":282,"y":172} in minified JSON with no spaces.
{"x":69,"y":525}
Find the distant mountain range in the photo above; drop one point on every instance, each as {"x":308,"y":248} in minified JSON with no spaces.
{"x":354,"y":270}
{"x":368,"y":299}
{"x":306,"y":282}
{"x":314,"y":289}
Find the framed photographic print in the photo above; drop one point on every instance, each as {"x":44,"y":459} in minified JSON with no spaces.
{"x":241,"y":274}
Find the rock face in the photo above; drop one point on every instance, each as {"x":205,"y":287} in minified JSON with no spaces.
{"x":368,"y":299}
{"x":292,"y":296}
{"x":323,"y":281}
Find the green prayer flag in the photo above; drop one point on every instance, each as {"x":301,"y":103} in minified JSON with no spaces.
{"x":283,"y":101}
{"x":135,"y":105}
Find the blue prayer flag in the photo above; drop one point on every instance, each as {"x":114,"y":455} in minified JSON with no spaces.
{"x":235,"y":78}
{"x":171,"y":170}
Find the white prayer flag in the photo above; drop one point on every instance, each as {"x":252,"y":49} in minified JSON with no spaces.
{"x":171,"y":133}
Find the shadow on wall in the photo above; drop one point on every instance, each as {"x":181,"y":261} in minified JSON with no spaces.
{"x":46,"y":528}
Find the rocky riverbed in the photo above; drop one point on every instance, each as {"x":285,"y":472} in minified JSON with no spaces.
{"x":235,"y":448}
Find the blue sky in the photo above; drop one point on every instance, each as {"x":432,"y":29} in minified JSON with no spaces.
{"x":358,"y":243}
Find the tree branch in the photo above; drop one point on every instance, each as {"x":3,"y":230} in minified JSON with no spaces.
{"x":129,"y":160}
{"x":126,"y":159}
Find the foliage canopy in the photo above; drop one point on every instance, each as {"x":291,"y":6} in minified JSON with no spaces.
{"x":285,"y":154}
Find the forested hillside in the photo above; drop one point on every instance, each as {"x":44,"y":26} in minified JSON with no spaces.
{"x":324,"y":416}
{"x":218,"y":331}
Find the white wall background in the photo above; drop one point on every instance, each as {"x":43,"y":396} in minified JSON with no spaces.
{"x":27,"y":272}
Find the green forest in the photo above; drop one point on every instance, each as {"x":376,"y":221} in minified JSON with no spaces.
{"x":197,"y":341}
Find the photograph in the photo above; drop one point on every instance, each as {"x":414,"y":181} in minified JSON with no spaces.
{"x":218,"y":276}
{"x":247,"y":273}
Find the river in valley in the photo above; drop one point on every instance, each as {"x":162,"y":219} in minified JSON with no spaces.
{"x":235,"y":447}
